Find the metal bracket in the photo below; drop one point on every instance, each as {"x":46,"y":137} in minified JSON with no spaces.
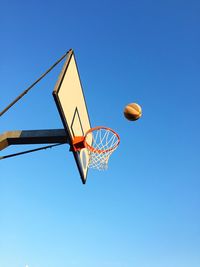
{"x":33,"y":137}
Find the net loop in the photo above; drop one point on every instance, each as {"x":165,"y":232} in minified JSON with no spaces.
{"x":101,"y":142}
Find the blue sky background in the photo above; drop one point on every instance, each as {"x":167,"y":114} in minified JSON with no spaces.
{"x":143,"y":211}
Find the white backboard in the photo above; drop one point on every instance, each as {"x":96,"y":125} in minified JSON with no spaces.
{"x":70,"y":101}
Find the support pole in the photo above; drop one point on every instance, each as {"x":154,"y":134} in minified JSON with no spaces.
{"x":32,"y":85}
{"x":32,"y":137}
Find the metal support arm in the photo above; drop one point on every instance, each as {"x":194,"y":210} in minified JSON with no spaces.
{"x":32,"y":137}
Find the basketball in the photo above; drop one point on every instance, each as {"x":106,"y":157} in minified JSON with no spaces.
{"x":132,"y":112}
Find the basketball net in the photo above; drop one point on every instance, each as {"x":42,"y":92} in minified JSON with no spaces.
{"x":103,"y":142}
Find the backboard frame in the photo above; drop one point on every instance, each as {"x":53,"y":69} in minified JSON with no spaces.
{"x":69,"y":128}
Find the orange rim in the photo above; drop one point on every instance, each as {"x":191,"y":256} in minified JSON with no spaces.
{"x":99,"y":151}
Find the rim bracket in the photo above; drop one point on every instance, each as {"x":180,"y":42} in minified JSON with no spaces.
{"x":78,"y":143}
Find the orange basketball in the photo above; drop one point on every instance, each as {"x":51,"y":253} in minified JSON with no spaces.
{"x":133,"y":112}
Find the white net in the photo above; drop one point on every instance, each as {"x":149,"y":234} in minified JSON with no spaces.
{"x":104,"y":141}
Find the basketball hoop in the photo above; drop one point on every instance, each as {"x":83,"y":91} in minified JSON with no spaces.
{"x":100,"y":142}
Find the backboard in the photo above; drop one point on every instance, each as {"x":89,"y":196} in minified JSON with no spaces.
{"x":70,"y":101}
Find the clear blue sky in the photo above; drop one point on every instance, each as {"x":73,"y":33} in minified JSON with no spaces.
{"x":143,"y":211}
